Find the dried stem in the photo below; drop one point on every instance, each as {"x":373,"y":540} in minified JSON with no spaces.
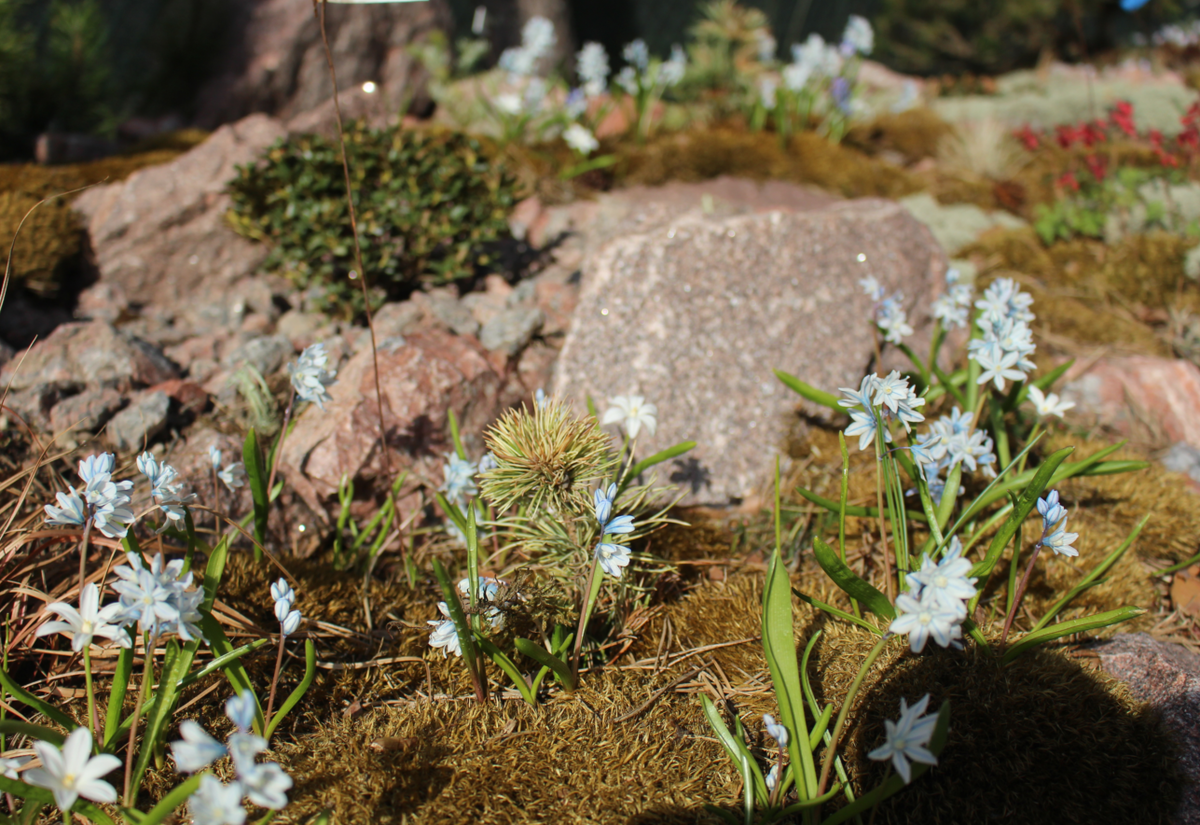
{"x":319,"y":13}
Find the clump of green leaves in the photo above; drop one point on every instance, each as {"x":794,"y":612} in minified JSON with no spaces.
{"x":427,"y":203}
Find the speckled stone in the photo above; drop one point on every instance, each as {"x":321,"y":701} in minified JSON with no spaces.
{"x":695,"y":313}
{"x":1167,"y":676}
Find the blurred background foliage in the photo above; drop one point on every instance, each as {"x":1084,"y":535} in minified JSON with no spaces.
{"x":86,"y":65}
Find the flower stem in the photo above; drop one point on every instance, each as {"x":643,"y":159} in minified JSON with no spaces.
{"x":287,"y":417}
{"x":91,"y":697}
{"x":887,"y":562}
{"x":1016,"y":605}
{"x":831,"y":750}
{"x":593,"y":590}
{"x":148,"y":642}
{"x":83,"y":550}
{"x":274,"y":680}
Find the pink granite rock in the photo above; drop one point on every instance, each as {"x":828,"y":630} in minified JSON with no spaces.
{"x":91,"y":353}
{"x":429,"y":374}
{"x":696,"y":313}
{"x":1156,"y":399}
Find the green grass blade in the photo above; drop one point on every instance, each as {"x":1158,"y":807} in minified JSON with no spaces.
{"x":116,"y":697}
{"x":256,"y":473}
{"x":813,"y":394}
{"x":734,"y":747}
{"x":25,"y":697}
{"x":222,"y":661}
{"x":540,"y":655}
{"x":235,"y":672}
{"x":1057,"y":631}
{"x":833,"y":611}
{"x":32,"y":731}
{"x":851,"y":509}
{"x":506,"y":664}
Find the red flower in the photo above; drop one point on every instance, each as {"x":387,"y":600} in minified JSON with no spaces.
{"x":1066,"y":136}
{"x":1028,"y":137}
{"x":1067,"y":181}
{"x":1096,"y":165}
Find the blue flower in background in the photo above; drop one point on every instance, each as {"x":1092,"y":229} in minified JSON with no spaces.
{"x":1133,"y":5}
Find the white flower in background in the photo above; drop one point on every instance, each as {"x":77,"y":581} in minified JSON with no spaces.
{"x":241,"y":708}
{"x":1060,"y":541}
{"x":310,"y":377}
{"x":537,"y":39}
{"x":73,"y":772}
{"x":924,"y":619}
{"x":215,"y":803}
{"x":89,"y":621}
{"x":233,"y":476}
{"x":893,"y":320}
{"x":637,"y":54}
{"x":908,"y":738}
{"x":508,"y":103}
{"x":479,"y":21}
{"x":103,"y":500}
{"x":71,"y":511}
{"x":871,"y":288}
{"x":580,"y":139}
{"x":953,"y":306}
{"x":767,"y":89}
{"x":796,"y":76}
{"x":632,"y":412}
{"x":591,"y":63}
{"x":772,"y":778}
{"x":459,"y":485}
{"x":859,"y":35}
{"x":672,"y":71}
{"x":444,"y":635}
{"x":766,"y":47}
{"x":535,"y":95}
{"x":627,"y":80}
{"x":10,"y":765}
{"x":1047,"y":405}
{"x":160,"y":599}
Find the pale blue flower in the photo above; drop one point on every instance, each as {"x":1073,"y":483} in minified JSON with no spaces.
{"x":281,"y":591}
{"x":197,"y":750}
{"x":925,"y":618}
{"x":310,"y":376}
{"x":591,"y":63}
{"x":871,"y":288}
{"x":215,"y":803}
{"x":444,"y":635}
{"x":233,"y":476}
{"x":1050,"y":510}
{"x":863,"y":424}
{"x":637,"y":54}
{"x":89,"y":621}
{"x":946,"y":581}
{"x":775,"y":730}
{"x":613,"y":558}
{"x":603,"y":505}
{"x":858,"y":35}
{"x":72,"y":510}
{"x":266,"y":785}
{"x":672,"y":71}
{"x":772,"y":778}
{"x":214,"y":455}
{"x":241,"y":709}
{"x":95,"y":466}
{"x":1060,"y":541}
{"x":907,"y":739}
{"x":862,"y":396}
{"x":459,"y":485}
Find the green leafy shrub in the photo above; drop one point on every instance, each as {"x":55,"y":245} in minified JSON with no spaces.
{"x":427,"y":204}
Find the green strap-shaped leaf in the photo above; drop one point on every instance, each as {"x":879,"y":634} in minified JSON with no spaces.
{"x":310,"y":670}
{"x":833,"y":611}
{"x":540,"y":655}
{"x":850,"y":582}
{"x":221,"y":662}
{"x":176,"y":664}
{"x":809,"y":392}
{"x":506,"y":664}
{"x":1021,"y":509}
{"x":256,"y":473}
{"x":32,"y":731}
{"x":466,"y":639}
{"x":1057,"y":631}
{"x":171,"y":802}
{"x":22,"y":695}
{"x":734,"y":747}
{"x":851,"y":509}
{"x":234,"y":670}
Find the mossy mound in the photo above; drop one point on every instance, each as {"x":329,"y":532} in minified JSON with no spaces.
{"x":914,"y":133}
{"x":1087,"y":292}
{"x":723,"y":150}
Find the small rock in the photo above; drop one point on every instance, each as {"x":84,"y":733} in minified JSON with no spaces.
{"x":266,"y":354}
{"x":956,"y":225}
{"x":397,"y":318}
{"x":1191,"y":263}
{"x":1183,"y":458}
{"x":87,"y":411}
{"x":91,"y":352}
{"x":189,"y":397}
{"x":299,"y":327}
{"x":523,"y":217}
{"x":1155,"y":398}
{"x":509,"y":331}
{"x":142,"y":420}
{"x":483,"y":306}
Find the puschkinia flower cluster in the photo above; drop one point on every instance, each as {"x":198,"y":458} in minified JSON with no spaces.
{"x":953,"y":306}
{"x":613,"y":558}
{"x":101,"y":500}
{"x":935,"y":604}
{"x":264,"y":783}
{"x":459,"y":485}
{"x":1054,"y":526}
{"x":161,"y":598}
{"x":310,"y":376}
{"x":288,"y":616}
{"x":1006,"y":341}
{"x":642,"y":75}
{"x":445,"y":634}
{"x":951,"y":440}
{"x":887,"y":398}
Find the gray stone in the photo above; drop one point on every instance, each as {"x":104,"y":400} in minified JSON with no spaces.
{"x":959,"y":224}
{"x":266,"y":354}
{"x":141,"y":421}
{"x":397,"y":318}
{"x":89,"y":353}
{"x":509,"y":331}
{"x":1166,"y":676}
{"x":87,"y":411}
{"x":695,"y":315}
{"x":449,"y":311}
{"x":484,"y":306}
{"x":1182,"y":457}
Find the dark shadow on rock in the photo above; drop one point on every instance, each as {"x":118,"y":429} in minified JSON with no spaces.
{"x":691,"y":472}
